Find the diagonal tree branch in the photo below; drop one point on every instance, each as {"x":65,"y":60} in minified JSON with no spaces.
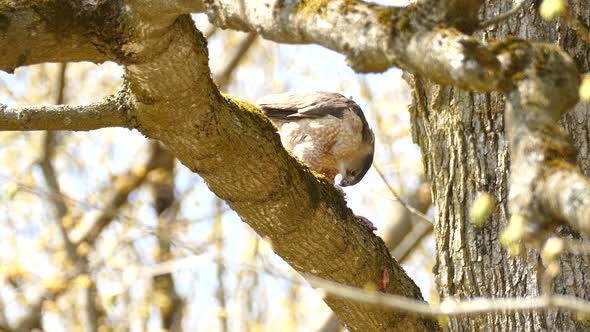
{"x":225,"y":76}
{"x":272,"y":192}
{"x":519,"y":4}
{"x":124,"y":185}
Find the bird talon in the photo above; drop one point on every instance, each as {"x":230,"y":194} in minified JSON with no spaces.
{"x":384,"y":280}
{"x":342,"y":192}
{"x":367,"y":222}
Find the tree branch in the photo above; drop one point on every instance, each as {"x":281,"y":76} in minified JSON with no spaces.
{"x":110,"y":112}
{"x":61,"y":211}
{"x":31,"y":36}
{"x":546,"y":185}
{"x":503,"y":16}
{"x":70,"y":31}
{"x":166,"y":207}
{"x":124,"y":185}
{"x":538,"y":79}
{"x":399,"y":199}
{"x":406,"y":232}
{"x":237,"y":152}
{"x":401,"y":37}
{"x":452,"y":307}
{"x":224,"y":77}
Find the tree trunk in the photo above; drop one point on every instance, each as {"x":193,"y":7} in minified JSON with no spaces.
{"x":461,"y":135}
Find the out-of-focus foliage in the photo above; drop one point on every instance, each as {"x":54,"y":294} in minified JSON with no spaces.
{"x":227,"y":277}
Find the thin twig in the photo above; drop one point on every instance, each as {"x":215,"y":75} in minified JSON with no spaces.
{"x":225,"y":76}
{"x":61,"y":210}
{"x":402,"y":238}
{"x":210,"y":32}
{"x":398,"y":199}
{"x":504,"y":16}
{"x":84,"y":204}
{"x":124,"y":185}
{"x":50,"y":175}
{"x":448,"y":307}
{"x":220,"y":271}
{"x":577,"y":26}
{"x":451,"y":307}
{"x":412,"y":240}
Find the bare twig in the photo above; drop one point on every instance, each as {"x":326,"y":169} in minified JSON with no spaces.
{"x":218,"y":236}
{"x":57,"y":198}
{"x":577,"y":26}
{"x":412,"y":240}
{"x":61,"y":211}
{"x":398,"y":198}
{"x":225,"y":76}
{"x":448,"y":307}
{"x":504,"y":16}
{"x":210,"y":32}
{"x":124,"y":185}
{"x":34,"y":190}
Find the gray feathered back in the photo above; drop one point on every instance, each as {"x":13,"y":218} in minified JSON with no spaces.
{"x":292,"y":106}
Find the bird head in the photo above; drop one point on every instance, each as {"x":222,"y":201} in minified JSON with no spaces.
{"x":353,"y":170}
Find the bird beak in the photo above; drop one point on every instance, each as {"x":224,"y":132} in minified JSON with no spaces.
{"x":351,"y":181}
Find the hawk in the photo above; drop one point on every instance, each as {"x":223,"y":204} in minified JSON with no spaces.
{"x":325,"y":130}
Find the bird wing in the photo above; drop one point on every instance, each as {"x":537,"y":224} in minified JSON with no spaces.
{"x":292,"y":106}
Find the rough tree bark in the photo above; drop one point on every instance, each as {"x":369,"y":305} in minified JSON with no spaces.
{"x":461,"y":135}
{"x":169,"y":96}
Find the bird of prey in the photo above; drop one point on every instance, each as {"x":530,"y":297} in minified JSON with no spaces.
{"x":325,"y":130}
